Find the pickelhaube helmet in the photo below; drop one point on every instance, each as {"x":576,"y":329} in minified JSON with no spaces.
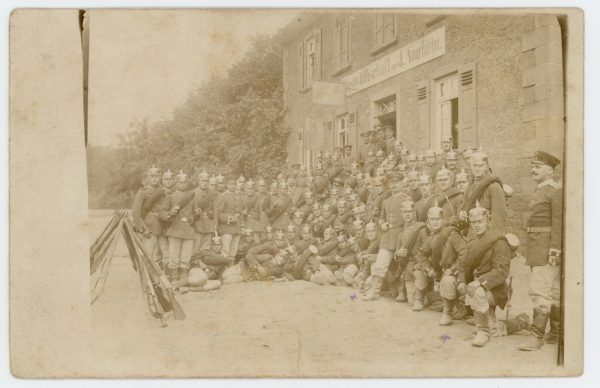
{"x":327,"y":155}
{"x":351,"y":240}
{"x":248,"y":232}
{"x":371,"y":154}
{"x":249,"y":184}
{"x":316,"y":206}
{"x":241,"y":179}
{"x":443,"y":173}
{"x":298,"y":213}
{"x":371,"y":227}
{"x":341,"y":238}
{"x":429,"y":153}
{"x":360,"y":175}
{"x":261,"y":182}
{"x":328,"y":233}
{"x":424,"y":179}
{"x":477,"y":212}
{"x":318,"y":166}
{"x":412,"y":157}
{"x":380,"y":153}
{"x":220,"y":178}
{"x":216,"y":239}
{"x":358,"y":224}
{"x":305,"y":228}
{"x":402,"y":167}
{"x":308,"y":194}
{"x":353,"y":197}
{"x":379,"y":171}
{"x":413,"y":174}
{"x":279,"y":235}
{"x":451,"y":155}
{"x":310,"y":178}
{"x":291,"y":228}
{"x":269,"y":229}
{"x":154,"y":170}
{"x":326,"y":207}
{"x":283,"y":185}
{"x":168,"y":174}
{"x":203,"y":175}
{"x":435,"y":211}
{"x":274,"y":185}
{"x":479,"y":157}
{"x":213,"y":180}
{"x":468,"y":153}
{"x":407,"y":205}
{"x":181,"y":177}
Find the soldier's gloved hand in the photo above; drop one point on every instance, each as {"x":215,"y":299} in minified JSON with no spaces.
{"x":472,"y":287}
{"x":384,"y":226}
{"x":554,"y":257}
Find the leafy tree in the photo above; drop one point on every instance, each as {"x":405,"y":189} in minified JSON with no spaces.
{"x":231,"y":124}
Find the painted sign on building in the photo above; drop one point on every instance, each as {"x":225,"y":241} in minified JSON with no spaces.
{"x":414,"y":54}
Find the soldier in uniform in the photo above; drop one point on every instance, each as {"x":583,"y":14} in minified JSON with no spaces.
{"x":144,"y":211}
{"x":204,"y":217}
{"x":229,"y":213}
{"x":390,"y":224}
{"x":462,"y":181}
{"x":448,"y":198}
{"x":412,"y":162}
{"x":429,"y":166}
{"x":427,"y":197}
{"x":390,"y":138}
{"x":163,"y":242}
{"x":365,"y":148}
{"x":483,"y":277}
{"x":279,"y":207}
{"x":220,"y":184}
{"x":544,"y":251}
{"x":487,"y":189}
{"x":252,"y":210}
{"x":177,"y":210}
{"x":410,"y":273}
{"x":413,"y":185}
{"x":367,"y":256}
{"x":207,"y":266}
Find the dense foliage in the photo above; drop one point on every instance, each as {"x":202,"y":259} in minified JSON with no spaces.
{"x":231,"y":124}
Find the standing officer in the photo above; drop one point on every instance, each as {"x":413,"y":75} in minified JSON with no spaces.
{"x":544,"y":251}
{"x":145,"y":212}
{"x":229,"y":213}
{"x":163,"y":242}
{"x":177,"y":211}
{"x":204,"y":219}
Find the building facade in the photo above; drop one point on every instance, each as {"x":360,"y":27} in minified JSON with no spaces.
{"x":493,"y":82}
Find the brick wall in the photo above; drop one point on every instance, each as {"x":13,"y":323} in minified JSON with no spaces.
{"x":519,"y":88}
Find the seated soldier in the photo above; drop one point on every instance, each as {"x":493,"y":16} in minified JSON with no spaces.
{"x":247,"y":242}
{"x":411,"y":271}
{"x":487,"y":265}
{"x":367,"y":256}
{"x":346,"y":266}
{"x":306,"y":239}
{"x":265,"y":261}
{"x":207,"y":265}
{"x":446,"y":249}
{"x":317,"y":272}
{"x":324,"y":247}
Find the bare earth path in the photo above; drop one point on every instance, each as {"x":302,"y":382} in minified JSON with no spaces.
{"x":291,"y":329}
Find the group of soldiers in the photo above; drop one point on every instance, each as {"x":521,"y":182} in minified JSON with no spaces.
{"x":428,"y":229}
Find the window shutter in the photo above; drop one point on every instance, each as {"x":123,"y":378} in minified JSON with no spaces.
{"x":317,"y":75}
{"x":378,"y":30}
{"x":345,"y":40}
{"x":336,"y":42}
{"x":389,"y":28}
{"x":353,"y":129}
{"x":301,"y":64}
{"x":423,"y":115}
{"x":467,"y":107}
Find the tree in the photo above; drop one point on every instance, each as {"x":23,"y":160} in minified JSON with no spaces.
{"x":231,"y":124}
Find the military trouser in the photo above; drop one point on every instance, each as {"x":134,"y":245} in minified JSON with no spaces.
{"x":163,"y":244}
{"x":448,"y":286}
{"x":180,"y":253}
{"x":481,"y":301}
{"x":544,"y":287}
{"x":382,"y":262}
{"x":231,"y":243}
{"x":202,"y":241}
{"x":151,"y":248}
{"x":346,"y":274}
{"x":323,"y":276}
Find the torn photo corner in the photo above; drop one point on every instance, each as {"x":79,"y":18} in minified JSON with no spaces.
{"x":296,"y":193}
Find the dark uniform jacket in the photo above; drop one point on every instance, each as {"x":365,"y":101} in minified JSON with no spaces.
{"x":423,"y":207}
{"x":453,"y":204}
{"x":229,"y":205}
{"x":487,"y":259}
{"x":445,"y":248}
{"x":252,"y":209}
{"x":492,"y":198}
{"x":544,"y":224}
{"x":391,"y":213}
{"x":278,"y":211}
{"x":180,"y":225}
{"x":145,"y":208}
{"x":205,"y":220}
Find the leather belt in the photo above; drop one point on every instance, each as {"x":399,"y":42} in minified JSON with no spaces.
{"x":538,"y":229}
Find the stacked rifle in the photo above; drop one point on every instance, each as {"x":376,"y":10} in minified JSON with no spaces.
{"x":101,"y":253}
{"x":156,"y":288}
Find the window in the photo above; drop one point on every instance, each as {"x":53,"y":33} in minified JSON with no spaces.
{"x":446,"y":110}
{"x":341,"y":42}
{"x":342,"y":130}
{"x":384,"y":31}
{"x":385,"y":111}
{"x":309,"y":59}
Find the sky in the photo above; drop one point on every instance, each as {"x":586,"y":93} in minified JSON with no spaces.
{"x":144,"y":63}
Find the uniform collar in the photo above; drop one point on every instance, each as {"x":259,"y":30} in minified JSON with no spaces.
{"x":549,"y":182}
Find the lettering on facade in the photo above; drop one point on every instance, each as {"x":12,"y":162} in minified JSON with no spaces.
{"x":414,"y":54}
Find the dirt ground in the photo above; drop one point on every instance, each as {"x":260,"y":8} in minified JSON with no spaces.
{"x":293,"y":329}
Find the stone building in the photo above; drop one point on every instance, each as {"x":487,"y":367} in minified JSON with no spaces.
{"x":492,"y":81}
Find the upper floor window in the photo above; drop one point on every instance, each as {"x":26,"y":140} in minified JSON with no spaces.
{"x":384,"y":31}
{"x":341,"y":42}
{"x":309,"y":59}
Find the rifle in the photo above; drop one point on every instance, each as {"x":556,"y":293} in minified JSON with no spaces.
{"x":509,"y":297}
{"x":159,"y":280}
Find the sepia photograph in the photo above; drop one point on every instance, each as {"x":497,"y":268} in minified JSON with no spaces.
{"x":325,"y":192}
